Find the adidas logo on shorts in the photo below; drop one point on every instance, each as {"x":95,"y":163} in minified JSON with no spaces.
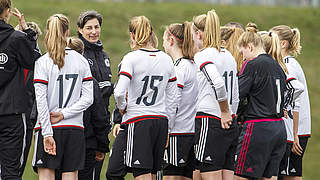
{"x":208,"y":158}
{"x":39,"y":161}
{"x":137,"y":162}
{"x":181,"y":161}
{"x":293,"y":170}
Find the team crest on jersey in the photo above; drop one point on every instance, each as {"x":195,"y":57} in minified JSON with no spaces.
{"x":107,"y":62}
{"x":3,"y":58}
{"x":90,"y":62}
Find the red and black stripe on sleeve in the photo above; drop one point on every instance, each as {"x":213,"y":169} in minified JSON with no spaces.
{"x":204,"y":64}
{"x":290,"y":79}
{"x":87,"y":79}
{"x":180,"y":86}
{"x":40,"y":81}
{"x":172,"y":79}
{"x":125,"y":74}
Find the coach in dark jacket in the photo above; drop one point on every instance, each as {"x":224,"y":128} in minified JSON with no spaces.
{"x":17,"y":52}
{"x":89,"y":27}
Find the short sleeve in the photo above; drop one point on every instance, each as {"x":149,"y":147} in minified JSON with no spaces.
{"x":126,"y":68}
{"x":40,"y":73}
{"x":180,"y":74}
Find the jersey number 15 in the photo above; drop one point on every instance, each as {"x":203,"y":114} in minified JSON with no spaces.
{"x":144,"y":90}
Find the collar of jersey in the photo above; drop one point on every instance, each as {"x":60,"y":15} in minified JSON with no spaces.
{"x":157,"y":50}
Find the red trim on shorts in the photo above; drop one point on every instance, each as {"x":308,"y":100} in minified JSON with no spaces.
{"x":305,"y":135}
{"x":262,"y":120}
{"x":244,"y":149}
{"x":213,"y":117}
{"x":247,"y":147}
{"x":36,"y":129}
{"x":288,"y":141}
{"x":144,"y":117}
{"x":181,"y":134}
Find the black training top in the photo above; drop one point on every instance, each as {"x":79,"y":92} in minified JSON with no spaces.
{"x":262,"y":82}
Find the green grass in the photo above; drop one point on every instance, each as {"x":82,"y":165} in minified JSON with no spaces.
{"x":115,"y":39}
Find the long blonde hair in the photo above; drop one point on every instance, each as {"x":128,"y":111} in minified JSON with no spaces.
{"x":231,"y":36}
{"x":209,"y":24}
{"x":55,"y":39}
{"x":183,"y":37}
{"x":272,"y":46}
{"x":141,"y":27}
{"x":291,"y":35}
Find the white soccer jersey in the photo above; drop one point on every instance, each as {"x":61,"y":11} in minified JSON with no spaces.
{"x":148,"y":80}
{"x":298,"y":89}
{"x":186,"y":72}
{"x":219,"y":68}
{"x":68,"y":90}
{"x":296,"y":71}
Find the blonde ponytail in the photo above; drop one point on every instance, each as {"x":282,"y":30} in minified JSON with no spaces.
{"x":291,"y":35}
{"x":295,"y":47}
{"x":55,"y":39}
{"x":272,"y":46}
{"x":211,"y":34}
{"x":141,"y":27}
{"x":231,"y":36}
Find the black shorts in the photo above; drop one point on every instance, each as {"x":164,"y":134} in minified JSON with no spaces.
{"x":262,"y":144}
{"x":179,"y":156}
{"x":70,"y":149}
{"x":291,"y":164}
{"x":139,"y":147}
{"x":215,"y":147}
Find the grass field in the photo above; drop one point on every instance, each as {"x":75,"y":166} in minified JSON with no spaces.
{"x":115,"y":39}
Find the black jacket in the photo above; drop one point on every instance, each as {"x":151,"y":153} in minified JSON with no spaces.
{"x":97,"y":123}
{"x":17,"y":52}
{"x":100,"y":67}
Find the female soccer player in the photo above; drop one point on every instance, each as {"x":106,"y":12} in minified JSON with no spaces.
{"x":179,"y":155}
{"x":89,"y":30}
{"x":145,"y":95}
{"x":216,"y":132}
{"x":290,"y":44}
{"x":262,"y":82}
{"x":229,"y":39}
{"x":63,"y":88}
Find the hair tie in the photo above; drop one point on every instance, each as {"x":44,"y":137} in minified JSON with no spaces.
{"x":270,"y":33}
{"x":292,"y":30}
{"x":57,"y":17}
{"x":175,"y":36}
{"x":182,"y":26}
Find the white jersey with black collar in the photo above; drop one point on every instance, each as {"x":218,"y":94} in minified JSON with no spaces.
{"x":147,"y":86}
{"x":68,"y":90}
{"x":186,"y":73}
{"x":217,"y":81}
{"x":296,"y":71}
